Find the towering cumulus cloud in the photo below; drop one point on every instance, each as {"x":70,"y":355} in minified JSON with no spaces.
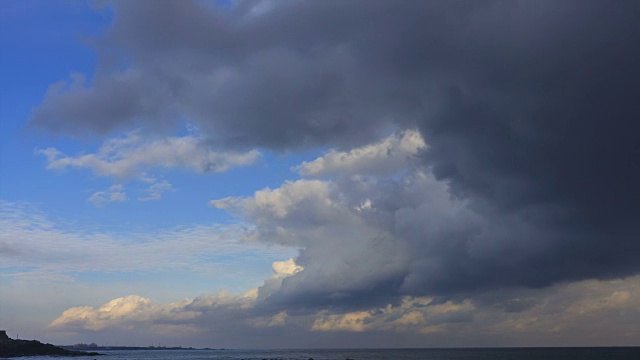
{"x":477,"y":146}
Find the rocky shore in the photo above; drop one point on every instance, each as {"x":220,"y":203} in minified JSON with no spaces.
{"x":17,"y":348}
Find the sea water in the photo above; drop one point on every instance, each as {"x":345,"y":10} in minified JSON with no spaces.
{"x":612,"y":353}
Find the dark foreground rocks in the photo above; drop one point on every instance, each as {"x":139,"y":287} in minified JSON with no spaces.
{"x":16,"y":348}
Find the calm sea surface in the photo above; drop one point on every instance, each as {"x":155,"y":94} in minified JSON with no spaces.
{"x":617,"y":353}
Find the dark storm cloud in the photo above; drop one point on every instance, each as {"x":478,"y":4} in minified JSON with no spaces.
{"x":529,"y":109}
{"x":244,"y":77}
{"x":546,"y":132}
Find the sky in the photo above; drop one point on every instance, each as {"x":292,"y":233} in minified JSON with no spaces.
{"x":308,"y":174}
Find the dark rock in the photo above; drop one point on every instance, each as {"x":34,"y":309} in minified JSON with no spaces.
{"x":16,"y":348}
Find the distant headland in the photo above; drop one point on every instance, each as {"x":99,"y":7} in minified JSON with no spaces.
{"x":93,"y":346}
{"x":17,"y":348}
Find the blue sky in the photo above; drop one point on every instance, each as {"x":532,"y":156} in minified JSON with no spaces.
{"x":317,"y":174}
{"x":43,"y":43}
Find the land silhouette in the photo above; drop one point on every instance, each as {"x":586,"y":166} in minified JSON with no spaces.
{"x":16,"y":348}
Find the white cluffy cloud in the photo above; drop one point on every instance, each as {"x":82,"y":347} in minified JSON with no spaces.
{"x":114,"y":194}
{"x":156,"y":189}
{"x":387,"y":156}
{"x":282,"y":202}
{"x":282,"y":269}
{"x":132,"y":155}
{"x":133,"y":311}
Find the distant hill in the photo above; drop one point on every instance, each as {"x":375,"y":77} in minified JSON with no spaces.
{"x":16,"y":348}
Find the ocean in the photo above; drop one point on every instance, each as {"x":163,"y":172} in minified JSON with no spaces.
{"x":610,"y":353}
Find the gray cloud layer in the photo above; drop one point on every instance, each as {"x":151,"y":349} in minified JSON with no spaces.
{"x":529,"y":111}
{"x":585,"y":313}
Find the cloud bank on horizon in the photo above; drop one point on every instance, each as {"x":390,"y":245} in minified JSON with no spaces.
{"x":479,"y":170}
{"x":603,"y":312}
